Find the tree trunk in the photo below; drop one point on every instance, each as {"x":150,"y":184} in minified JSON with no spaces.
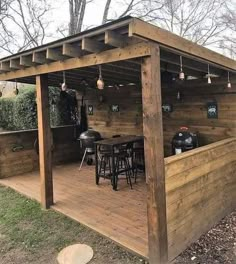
{"x":75,"y":13}
{"x":71,"y":10}
{"x":81,"y":17}
{"x":106,"y":11}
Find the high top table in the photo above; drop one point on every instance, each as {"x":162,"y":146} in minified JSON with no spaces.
{"x":113,"y":143}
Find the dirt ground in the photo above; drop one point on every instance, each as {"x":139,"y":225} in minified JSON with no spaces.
{"x":29,"y":235}
{"x":217,"y":246}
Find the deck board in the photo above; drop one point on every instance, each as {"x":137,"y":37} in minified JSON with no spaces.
{"x":120,"y":216}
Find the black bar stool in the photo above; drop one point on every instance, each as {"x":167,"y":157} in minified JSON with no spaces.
{"x":105,"y":168}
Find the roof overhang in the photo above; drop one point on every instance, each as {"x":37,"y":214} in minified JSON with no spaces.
{"x":118,"y":46}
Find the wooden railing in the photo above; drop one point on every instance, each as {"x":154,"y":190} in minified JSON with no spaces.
{"x":18,"y":155}
{"x":200,"y":190}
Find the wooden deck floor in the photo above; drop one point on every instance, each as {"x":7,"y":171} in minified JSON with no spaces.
{"x":120,"y":216}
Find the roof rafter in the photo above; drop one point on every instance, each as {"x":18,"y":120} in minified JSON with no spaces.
{"x":114,"y":39}
{"x":71,"y":50}
{"x":145,"y":30}
{"x":132,"y":51}
{"x":115,"y":43}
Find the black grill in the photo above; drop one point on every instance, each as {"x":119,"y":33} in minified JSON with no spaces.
{"x":184,"y":141}
{"x":88,"y":138}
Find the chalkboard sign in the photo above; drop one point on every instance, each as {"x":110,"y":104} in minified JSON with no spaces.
{"x":167,"y":108}
{"x":90,"y":109}
{"x":212,"y":110}
{"x":115,"y":108}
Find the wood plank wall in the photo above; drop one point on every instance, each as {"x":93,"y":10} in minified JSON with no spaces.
{"x":128,"y":121}
{"x":200,"y":190}
{"x":191,"y":110}
{"x":26,"y":160}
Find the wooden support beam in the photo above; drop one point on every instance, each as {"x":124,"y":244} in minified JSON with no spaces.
{"x":71,"y":50}
{"x":92,"y":45}
{"x":44,"y":139}
{"x":145,"y":30}
{"x":39,"y":57}
{"x":26,"y":61}
{"x":154,"y":157}
{"x":114,"y":39}
{"x":53,"y":54}
{"x":113,"y":55}
{"x":5,"y":66}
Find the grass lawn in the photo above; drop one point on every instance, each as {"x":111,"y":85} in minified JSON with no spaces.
{"x":29,"y":234}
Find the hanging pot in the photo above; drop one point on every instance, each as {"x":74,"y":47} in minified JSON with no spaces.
{"x":16,"y":91}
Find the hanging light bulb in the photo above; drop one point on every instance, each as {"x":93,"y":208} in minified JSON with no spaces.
{"x":64,"y":86}
{"x":229,"y":83}
{"x":100,"y":82}
{"x":178,"y":96}
{"x":208,"y":75}
{"x":181,"y":74}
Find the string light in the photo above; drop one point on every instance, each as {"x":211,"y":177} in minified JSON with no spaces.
{"x":208,"y":75}
{"x":100,"y":82}
{"x":64,"y":86}
{"x":178,"y":96}
{"x":181,"y":74}
{"x":229,"y":83}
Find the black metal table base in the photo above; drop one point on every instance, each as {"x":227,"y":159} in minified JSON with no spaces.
{"x":112,"y":143}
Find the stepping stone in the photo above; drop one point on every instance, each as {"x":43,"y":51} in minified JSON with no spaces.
{"x":75,"y":254}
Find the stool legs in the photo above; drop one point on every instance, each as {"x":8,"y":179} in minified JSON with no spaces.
{"x":105,"y":166}
{"x":122,"y":163}
{"x":85,"y":152}
{"x":128,"y":172}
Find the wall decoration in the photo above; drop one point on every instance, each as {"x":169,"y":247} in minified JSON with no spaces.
{"x":115,"y":108}
{"x":16,"y":148}
{"x":212,"y":110}
{"x":167,"y":108}
{"x":90,"y":109}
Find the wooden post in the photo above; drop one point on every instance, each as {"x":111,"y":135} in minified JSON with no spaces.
{"x":154,"y":157}
{"x":44,"y":136}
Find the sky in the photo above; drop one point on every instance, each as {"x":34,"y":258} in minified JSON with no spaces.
{"x":59,"y":16}
{"x":93,"y":13}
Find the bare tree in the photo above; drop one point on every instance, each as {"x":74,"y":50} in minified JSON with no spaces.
{"x":3,"y":6}
{"x":197,"y":20}
{"x":77,"y":12}
{"x":137,"y":8}
{"x":22,"y":25}
{"x":74,"y":9}
{"x":228,"y":43}
{"x":106,"y":11}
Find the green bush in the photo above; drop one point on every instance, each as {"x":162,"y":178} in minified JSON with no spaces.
{"x":7,"y":113}
{"x":25,"y":110}
{"x":20,"y":112}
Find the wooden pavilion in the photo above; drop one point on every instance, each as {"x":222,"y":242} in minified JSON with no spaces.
{"x":131,"y":51}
